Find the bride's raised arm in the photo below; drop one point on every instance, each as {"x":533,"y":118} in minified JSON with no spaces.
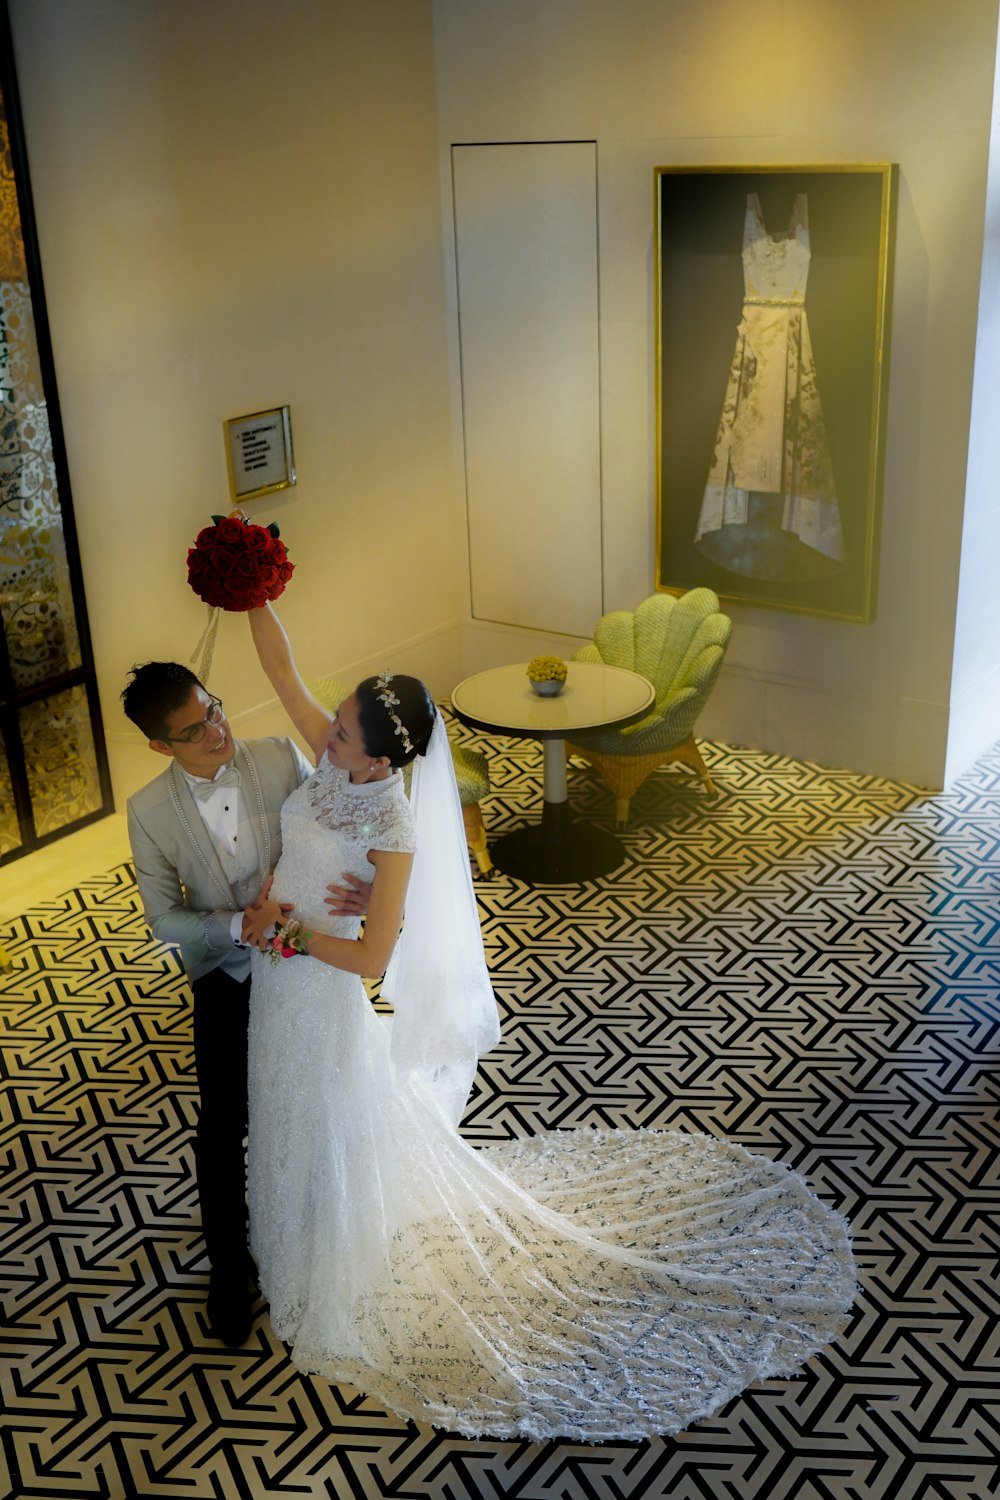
{"x":275,"y":653}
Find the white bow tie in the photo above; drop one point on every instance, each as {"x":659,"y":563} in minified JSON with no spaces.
{"x":230,"y":776}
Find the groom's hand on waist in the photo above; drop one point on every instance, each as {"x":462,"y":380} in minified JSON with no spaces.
{"x":350,"y":899}
{"x":260,"y":920}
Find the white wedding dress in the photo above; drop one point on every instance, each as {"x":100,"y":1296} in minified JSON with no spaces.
{"x":582,"y":1284}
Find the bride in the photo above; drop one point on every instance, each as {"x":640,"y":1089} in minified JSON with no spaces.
{"x":583,"y":1284}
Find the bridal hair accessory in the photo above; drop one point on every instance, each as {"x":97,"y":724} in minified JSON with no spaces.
{"x":289,"y":941}
{"x":444,"y":1011}
{"x":390,"y":703}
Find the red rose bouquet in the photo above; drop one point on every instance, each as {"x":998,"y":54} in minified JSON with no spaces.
{"x":238,"y":565}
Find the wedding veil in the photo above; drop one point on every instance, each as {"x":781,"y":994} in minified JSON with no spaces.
{"x":445,"y":1013}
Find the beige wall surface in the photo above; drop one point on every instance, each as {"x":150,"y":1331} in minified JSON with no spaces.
{"x":974,"y":722}
{"x":672,"y":82}
{"x":242,"y":205}
{"x":238,"y":208}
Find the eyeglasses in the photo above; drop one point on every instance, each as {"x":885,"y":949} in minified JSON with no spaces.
{"x":197,"y":732}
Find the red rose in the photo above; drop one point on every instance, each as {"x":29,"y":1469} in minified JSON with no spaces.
{"x":246,"y":565}
{"x":286,"y":570}
{"x":278,"y":553}
{"x":257,"y":540}
{"x":235,"y":583}
{"x":222,"y":559}
{"x":230,"y":531}
{"x":205,"y":539}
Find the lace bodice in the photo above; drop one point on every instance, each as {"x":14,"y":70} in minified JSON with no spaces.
{"x":328,"y":826}
{"x":776,"y":266}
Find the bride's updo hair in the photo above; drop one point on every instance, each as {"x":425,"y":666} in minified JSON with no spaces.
{"x":415,"y":711}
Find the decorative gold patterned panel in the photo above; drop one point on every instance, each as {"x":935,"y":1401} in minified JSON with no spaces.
{"x":35,"y":600}
{"x":12,"y":264}
{"x":58,"y":769}
{"x":61,"y":760}
{"x":10,"y":833}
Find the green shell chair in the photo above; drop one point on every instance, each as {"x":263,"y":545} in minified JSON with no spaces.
{"x":679,"y":644}
{"x":471,"y":773}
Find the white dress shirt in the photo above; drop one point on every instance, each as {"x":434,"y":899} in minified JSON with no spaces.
{"x":221,"y":815}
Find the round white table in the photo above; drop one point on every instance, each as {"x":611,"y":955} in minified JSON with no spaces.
{"x":501,"y":701}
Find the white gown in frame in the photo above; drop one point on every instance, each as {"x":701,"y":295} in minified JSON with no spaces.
{"x":771,"y":481}
{"x":583,"y":1284}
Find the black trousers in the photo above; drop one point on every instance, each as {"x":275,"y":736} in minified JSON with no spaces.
{"x":221,"y":1014}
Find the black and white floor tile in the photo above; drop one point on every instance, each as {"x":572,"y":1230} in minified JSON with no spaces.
{"x":808,"y":963}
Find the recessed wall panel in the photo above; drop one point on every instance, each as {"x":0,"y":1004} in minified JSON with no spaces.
{"x":526,"y":253}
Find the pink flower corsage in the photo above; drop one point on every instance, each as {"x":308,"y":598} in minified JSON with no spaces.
{"x":289,"y":941}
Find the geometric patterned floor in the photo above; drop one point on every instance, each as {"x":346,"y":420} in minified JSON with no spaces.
{"x":808,"y":964}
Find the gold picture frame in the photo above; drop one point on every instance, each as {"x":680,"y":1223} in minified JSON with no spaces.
{"x":772,"y":333}
{"x":259,"y":454}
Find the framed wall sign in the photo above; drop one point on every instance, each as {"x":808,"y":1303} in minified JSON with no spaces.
{"x":772,"y":332}
{"x":259,"y":453}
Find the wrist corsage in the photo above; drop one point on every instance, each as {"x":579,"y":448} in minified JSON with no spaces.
{"x":289,"y":941}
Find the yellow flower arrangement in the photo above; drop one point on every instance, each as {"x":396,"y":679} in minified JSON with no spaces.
{"x":547,"y":674}
{"x":547,"y":669}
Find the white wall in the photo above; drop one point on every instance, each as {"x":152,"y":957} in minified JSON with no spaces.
{"x":974,"y":724}
{"x":668,"y":82}
{"x":238,"y":207}
{"x":242,"y":204}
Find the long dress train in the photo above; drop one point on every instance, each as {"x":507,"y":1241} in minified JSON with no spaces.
{"x":585,"y":1284}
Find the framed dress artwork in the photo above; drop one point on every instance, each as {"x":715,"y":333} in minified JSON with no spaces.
{"x":772,"y":320}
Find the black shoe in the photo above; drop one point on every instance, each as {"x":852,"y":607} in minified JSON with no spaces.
{"x":230,"y":1306}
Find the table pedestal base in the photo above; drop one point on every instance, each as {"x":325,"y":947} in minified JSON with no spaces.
{"x":557,"y":850}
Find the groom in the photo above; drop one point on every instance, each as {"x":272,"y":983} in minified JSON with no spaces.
{"x":205,"y":835}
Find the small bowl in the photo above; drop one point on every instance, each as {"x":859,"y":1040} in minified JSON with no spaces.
{"x":549,"y":687}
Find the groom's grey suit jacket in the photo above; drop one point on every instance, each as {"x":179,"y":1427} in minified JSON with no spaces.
{"x":187,"y":897}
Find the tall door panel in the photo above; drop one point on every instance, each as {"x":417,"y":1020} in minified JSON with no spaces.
{"x":526,"y":252}
{"x":53,"y":767}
